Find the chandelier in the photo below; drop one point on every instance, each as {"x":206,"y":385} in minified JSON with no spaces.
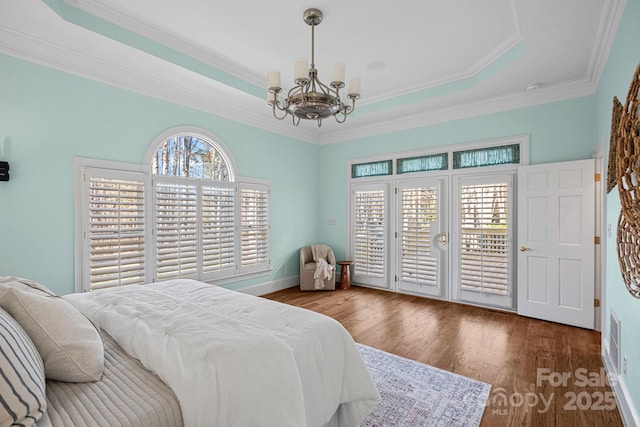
{"x":311,"y":99}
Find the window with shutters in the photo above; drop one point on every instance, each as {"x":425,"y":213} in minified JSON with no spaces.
{"x":218,"y":228}
{"x":176,"y":229}
{"x":114,"y":239}
{"x":254,"y":226}
{"x":206,"y":225}
{"x":438,"y":220}
{"x":186,"y":216}
{"x":418,"y":211}
{"x":369,"y":233}
{"x":485,"y":235}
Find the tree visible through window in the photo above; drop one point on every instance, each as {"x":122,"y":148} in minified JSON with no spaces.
{"x":190,"y":217}
{"x":190,"y":157}
{"x":205,"y":224}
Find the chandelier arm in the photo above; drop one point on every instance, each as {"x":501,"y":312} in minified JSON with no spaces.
{"x":274,"y":105}
{"x":293,"y":118}
{"x":294,"y":90}
{"x":344,"y":115}
{"x":298,"y":90}
{"x":325,"y":89}
{"x":351,"y":109}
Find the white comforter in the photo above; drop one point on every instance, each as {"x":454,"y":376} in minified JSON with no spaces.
{"x":235,"y":360}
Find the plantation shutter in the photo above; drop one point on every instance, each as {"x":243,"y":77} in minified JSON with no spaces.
{"x":218,"y":228}
{"x":485,"y":252}
{"x":418,"y":211}
{"x":176,"y":229}
{"x":369,"y":230}
{"x":254,"y":226}
{"x":114,"y":229}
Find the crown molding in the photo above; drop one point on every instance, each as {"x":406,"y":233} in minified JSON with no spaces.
{"x":201,"y":93}
{"x":498,"y":52}
{"x":215,"y":99}
{"x":193,"y":50}
{"x":203,"y":54}
{"x":468,"y":75}
{"x":247,"y":109}
{"x":608,"y":21}
{"x":405,"y":117}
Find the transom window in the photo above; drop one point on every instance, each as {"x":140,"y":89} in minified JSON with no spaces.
{"x":438,"y":221}
{"x":184,"y":214}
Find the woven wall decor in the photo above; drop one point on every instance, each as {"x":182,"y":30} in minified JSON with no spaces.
{"x":629,"y":255}
{"x":613,"y":144}
{"x":628,"y":181}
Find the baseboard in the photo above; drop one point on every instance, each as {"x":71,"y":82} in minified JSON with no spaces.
{"x":626,"y":407}
{"x":273,"y":286}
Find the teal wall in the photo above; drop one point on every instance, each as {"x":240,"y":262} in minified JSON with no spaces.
{"x":623,"y":59}
{"x":557,"y":132}
{"x":47,"y":118}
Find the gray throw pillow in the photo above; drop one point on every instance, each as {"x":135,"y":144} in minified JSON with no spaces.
{"x":22,"y":383}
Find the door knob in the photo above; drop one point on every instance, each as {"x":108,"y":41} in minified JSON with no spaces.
{"x":443,"y":237}
{"x":524,"y":248}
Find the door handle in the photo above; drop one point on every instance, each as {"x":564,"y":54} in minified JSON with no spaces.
{"x":524,"y":248}
{"x":443,"y":238}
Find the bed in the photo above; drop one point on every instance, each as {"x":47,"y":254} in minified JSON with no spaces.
{"x":194,"y":354}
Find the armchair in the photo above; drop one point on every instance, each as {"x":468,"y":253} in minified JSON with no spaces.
{"x":308,"y":267}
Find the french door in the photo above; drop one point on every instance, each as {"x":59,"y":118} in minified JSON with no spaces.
{"x":398,"y":235}
{"x":483,"y":240}
{"x":421,"y":252}
{"x":370,"y":240}
{"x":405,"y":231}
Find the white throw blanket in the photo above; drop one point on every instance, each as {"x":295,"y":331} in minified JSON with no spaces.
{"x":237,"y":360}
{"x":320,"y":254}
{"x":322,"y":273}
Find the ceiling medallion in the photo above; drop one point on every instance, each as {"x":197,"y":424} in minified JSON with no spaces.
{"x":311,"y":99}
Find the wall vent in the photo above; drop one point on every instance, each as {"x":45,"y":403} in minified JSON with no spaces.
{"x":614,"y":340}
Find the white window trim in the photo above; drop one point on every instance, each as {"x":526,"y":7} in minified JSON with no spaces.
{"x":450,"y":173}
{"x":193,"y":131}
{"x":475,"y":297}
{"x":82,"y":164}
{"x":522,"y":139}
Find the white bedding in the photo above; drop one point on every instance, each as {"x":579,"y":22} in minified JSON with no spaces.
{"x":237,"y":360}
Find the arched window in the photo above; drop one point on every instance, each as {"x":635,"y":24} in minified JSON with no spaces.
{"x":182,"y":213}
{"x":190,"y":153}
{"x":206,"y":224}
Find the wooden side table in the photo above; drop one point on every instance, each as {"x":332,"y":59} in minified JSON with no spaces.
{"x":345,"y":275}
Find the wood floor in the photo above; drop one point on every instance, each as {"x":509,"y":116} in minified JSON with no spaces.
{"x":524,"y":359}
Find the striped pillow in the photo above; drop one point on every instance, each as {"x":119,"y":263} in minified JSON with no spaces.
{"x":22,"y":383}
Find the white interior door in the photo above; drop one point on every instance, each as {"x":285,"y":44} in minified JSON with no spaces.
{"x":556,"y":242}
{"x":421,"y":236}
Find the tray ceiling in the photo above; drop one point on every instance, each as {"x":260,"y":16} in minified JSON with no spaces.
{"x":421,"y":62}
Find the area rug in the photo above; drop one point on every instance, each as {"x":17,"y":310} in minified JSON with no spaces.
{"x":418,"y":395}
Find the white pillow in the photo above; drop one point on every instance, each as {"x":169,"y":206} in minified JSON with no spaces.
{"x":22,"y":383}
{"x":69,"y":344}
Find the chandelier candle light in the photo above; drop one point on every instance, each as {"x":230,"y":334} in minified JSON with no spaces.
{"x":311,"y":99}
